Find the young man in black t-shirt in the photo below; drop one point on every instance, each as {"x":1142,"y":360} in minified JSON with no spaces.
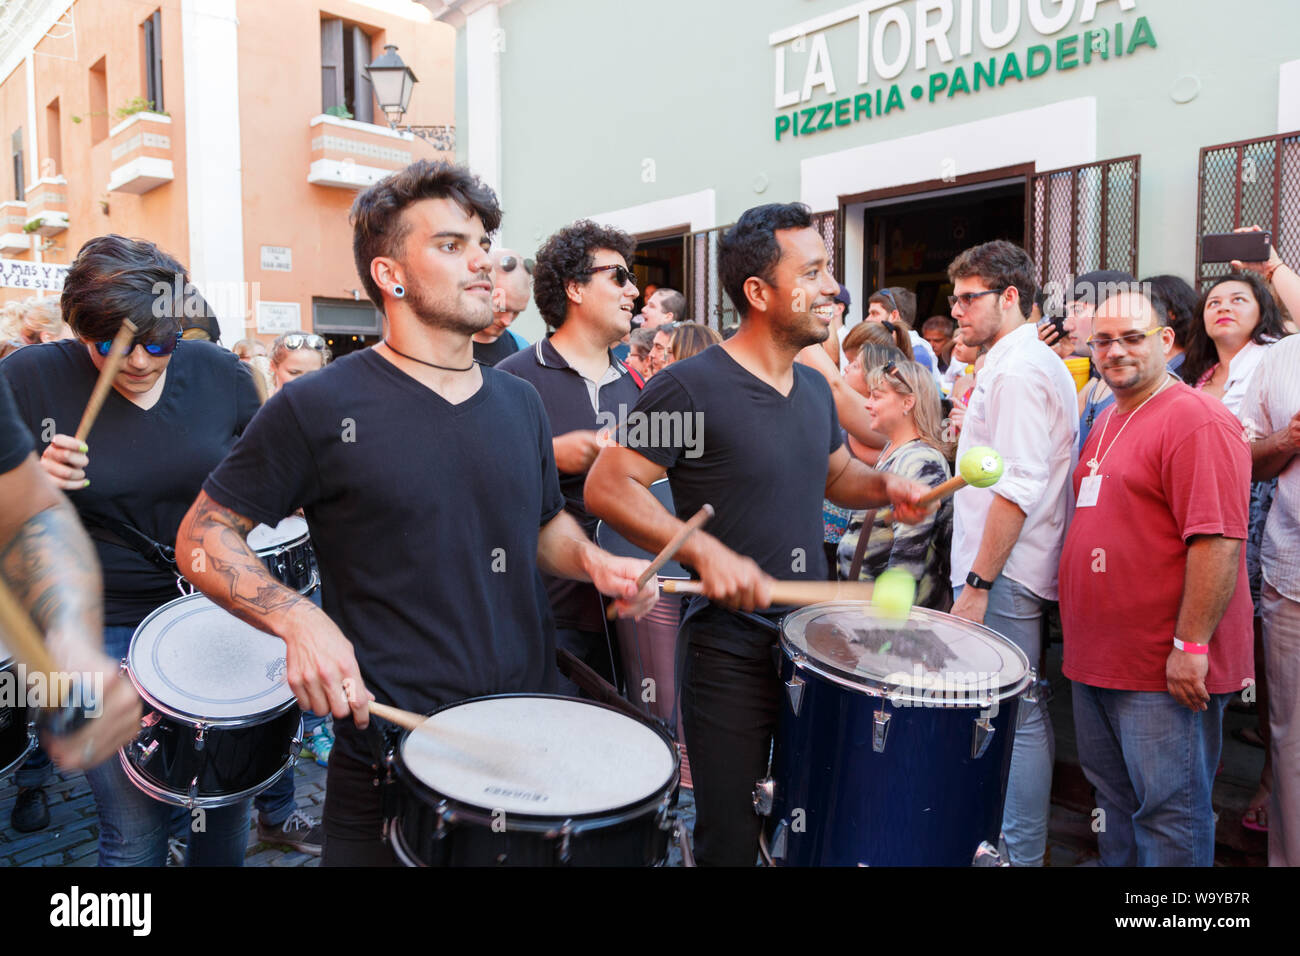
{"x":743,"y":428}
{"x":585,"y":390}
{"x":428,"y":596}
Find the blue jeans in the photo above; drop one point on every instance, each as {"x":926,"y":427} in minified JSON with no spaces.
{"x":1016,"y":613}
{"x":133,"y":827}
{"x":1152,"y":762}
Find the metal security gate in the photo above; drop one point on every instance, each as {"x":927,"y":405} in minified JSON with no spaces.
{"x":1083,"y":218}
{"x":705,"y":298}
{"x":1254,"y":182}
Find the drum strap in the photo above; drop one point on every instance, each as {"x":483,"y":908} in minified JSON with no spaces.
{"x":595,"y":685}
{"x":123,"y":535}
{"x":864,"y":536}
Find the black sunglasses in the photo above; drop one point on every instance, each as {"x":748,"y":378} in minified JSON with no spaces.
{"x":891,"y":369}
{"x":622,"y":275}
{"x":508,"y":264}
{"x":164,"y":347}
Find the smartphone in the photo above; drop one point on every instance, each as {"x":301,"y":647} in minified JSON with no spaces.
{"x":1058,"y":323}
{"x":1242,"y":246}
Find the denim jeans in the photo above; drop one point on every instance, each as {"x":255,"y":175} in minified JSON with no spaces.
{"x":1016,"y":613}
{"x":36,"y":770}
{"x":133,"y":827}
{"x":1152,"y":762}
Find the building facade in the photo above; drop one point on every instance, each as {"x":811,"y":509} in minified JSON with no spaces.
{"x":1095,"y":132}
{"x":233,"y":133}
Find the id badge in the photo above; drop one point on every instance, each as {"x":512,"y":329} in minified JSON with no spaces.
{"x":1089,"y":488}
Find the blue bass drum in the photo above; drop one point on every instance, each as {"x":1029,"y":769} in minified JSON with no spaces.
{"x":894,"y":741}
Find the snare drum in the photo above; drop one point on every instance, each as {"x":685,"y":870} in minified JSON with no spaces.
{"x":533,"y":780}
{"x":287,"y":552}
{"x":17,"y":737}
{"x":220,"y":722}
{"x":894,"y":740}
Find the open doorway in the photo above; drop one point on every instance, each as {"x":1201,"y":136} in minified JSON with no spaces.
{"x":658,"y":263}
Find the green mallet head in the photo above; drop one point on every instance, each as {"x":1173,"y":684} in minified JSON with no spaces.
{"x":893,"y":594}
{"x":980,"y":467}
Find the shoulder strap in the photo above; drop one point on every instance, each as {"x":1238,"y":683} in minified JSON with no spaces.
{"x":120,"y":533}
{"x":864,"y":535}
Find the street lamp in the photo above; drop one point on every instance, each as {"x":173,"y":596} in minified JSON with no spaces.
{"x":393,"y":81}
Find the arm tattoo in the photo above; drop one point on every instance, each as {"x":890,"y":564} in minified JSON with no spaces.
{"x":248,"y":589}
{"x":52,"y":567}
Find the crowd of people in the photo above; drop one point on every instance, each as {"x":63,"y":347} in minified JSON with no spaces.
{"x":1166,"y":550}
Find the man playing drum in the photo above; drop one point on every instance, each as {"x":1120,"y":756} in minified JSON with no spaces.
{"x":428,"y":596}
{"x":770,"y":452}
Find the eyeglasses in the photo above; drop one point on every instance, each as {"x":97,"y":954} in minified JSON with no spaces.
{"x":622,"y":275}
{"x":297,"y":340}
{"x":888,"y":295}
{"x":1131,"y":340}
{"x":966,"y":298}
{"x":165,"y":347}
{"x":508,"y":264}
{"x":891,"y":369}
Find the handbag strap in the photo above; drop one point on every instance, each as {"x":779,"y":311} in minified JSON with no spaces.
{"x":864,"y":535}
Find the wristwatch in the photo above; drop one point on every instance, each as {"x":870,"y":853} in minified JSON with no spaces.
{"x":975,"y":581}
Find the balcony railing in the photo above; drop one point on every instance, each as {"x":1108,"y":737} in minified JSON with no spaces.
{"x":141,"y":153}
{"x":47,"y":206}
{"x":13,"y":220}
{"x":346,"y":154}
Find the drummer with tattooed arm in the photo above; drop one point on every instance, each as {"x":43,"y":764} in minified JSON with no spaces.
{"x":430,"y":595}
{"x":49,"y":565}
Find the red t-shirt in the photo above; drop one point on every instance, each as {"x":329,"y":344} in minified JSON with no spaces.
{"x":1181,"y":468}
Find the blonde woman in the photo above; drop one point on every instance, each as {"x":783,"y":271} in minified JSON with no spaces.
{"x":690,"y":338}
{"x":903,"y":403}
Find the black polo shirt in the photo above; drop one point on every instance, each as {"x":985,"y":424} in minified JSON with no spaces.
{"x":566,"y":397}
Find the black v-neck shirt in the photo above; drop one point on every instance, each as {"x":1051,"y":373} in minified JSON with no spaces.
{"x":146,"y":465}
{"x":425,"y":519}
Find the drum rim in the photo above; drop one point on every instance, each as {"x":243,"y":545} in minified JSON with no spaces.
{"x":194,"y":720}
{"x":22,"y":755}
{"x":519,"y":821}
{"x":282,"y":545}
{"x":875,"y":687}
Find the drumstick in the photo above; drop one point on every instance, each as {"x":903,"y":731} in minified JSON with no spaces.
{"x":116,"y":356}
{"x":395,"y":715}
{"x":791,"y":592}
{"x":663,"y":557}
{"x":979,"y":467}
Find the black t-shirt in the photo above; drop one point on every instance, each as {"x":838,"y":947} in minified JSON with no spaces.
{"x":729,"y":439}
{"x":15,"y":439}
{"x":489,"y":353}
{"x":568,"y":407}
{"x":146,"y":465}
{"x":424,"y":517}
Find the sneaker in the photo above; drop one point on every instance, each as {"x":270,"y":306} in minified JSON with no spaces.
{"x":319,"y":744}
{"x":299,"y":832}
{"x":31,"y":811}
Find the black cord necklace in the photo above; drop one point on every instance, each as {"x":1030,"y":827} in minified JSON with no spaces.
{"x":412,"y":358}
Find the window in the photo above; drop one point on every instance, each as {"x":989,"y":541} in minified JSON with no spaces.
{"x":98,"y":102}
{"x":54,"y":140}
{"x":151,"y":34}
{"x":16,"y":143}
{"x":345,"y":317}
{"x":344,"y":53}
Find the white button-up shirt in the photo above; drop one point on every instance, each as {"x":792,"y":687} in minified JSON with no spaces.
{"x":1272,"y":398}
{"x":1240,"y":370}
{"x":1025,"y":408}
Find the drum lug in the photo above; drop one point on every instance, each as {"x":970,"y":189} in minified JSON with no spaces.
{"x":149,"y":719}
{"x":880,"y":729}
{"x":987,"y":855}
{"x":440,"y":828}
{"x":199,"y":737}
{"x":779,"y":835}
{"x":764,"y":794}
{"x":983,"y":736}
{"x":794,"y":688}
{"x":562,"y":851}
{"x":142,"y":753}
{"x":1031,"y":694}
{"x":664,"y":818}
{"x":192,"y":800}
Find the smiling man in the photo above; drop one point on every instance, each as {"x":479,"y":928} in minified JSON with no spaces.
{"x":585,"y":291}
{"x":429,"y":486}
{"x":771,"y":452}
{"x":1007,"y":539}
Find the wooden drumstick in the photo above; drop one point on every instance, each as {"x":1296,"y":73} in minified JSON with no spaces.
{"x":980,"y":467}
{"x":791,"y":592}
{"x":21,"y":635}
{"x":671,"y":548}
{"x":112,"y":365}
{"x":395,"y":715}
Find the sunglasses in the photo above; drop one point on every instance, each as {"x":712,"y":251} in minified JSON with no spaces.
{"x":166,"y":347}
{"x":622,"y":275}
{"x":891,"y":369}
{"x":966,"y":298}
{"x":508,"y":264}
{"x":299,"y":341}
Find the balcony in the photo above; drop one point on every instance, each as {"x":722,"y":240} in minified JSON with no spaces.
{"x":13,"y":222}
{"x":47,"y":206}
{"x":346,"y":154}
{"x":141,"y":153}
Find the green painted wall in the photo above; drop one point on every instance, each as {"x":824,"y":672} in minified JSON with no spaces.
{"x":593,"y":90}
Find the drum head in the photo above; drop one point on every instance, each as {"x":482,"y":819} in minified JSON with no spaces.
{"x":196,"y":659}
{"x":538,"y":756}
{"x":265,"y":538}
{"x":926,"y":654}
